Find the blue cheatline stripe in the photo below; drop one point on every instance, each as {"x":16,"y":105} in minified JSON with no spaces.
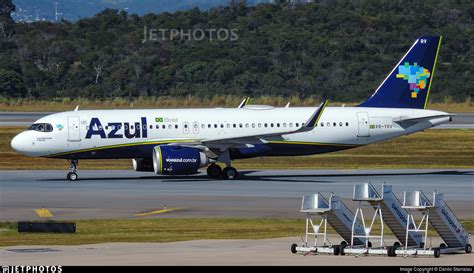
{"x":119,"y":146}
{"x":313,"y":143}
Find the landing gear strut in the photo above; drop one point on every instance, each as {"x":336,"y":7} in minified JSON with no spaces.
{"x":216,"y":172}
{"x":72,"y":175}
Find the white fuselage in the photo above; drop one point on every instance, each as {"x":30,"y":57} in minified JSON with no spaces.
{"x":77,"y":134}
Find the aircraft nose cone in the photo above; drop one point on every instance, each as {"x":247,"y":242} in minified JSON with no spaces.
{"x":18,"y":143}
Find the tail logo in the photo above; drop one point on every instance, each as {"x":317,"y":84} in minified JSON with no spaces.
{"x":416,"y":76}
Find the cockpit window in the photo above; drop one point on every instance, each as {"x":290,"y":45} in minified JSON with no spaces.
{"x":41,"y":127}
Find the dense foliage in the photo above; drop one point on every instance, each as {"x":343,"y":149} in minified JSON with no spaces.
{"x":339,"y":50}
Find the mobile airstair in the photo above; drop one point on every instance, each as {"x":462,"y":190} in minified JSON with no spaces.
{"x":333,"y":212}
{"x":388,"y":209}
{"x":442,"y":219}
{"x":410,"y":231}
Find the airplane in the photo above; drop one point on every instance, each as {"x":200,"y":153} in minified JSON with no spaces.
{"x":181,"y":141}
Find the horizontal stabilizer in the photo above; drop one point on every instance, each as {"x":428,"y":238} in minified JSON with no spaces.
{"x":419,"y":119}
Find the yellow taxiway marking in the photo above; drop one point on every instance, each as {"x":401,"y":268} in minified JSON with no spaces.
{"x":161,"y":211}
{"x":44,"y":213}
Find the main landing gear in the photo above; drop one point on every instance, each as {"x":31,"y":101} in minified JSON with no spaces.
{"x":72,"y":175}
{"x":216,"y":172}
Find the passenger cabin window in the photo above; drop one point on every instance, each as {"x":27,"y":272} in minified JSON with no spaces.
{"x":41,"y":127}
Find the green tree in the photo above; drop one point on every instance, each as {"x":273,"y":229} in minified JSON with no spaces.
{"x":6,"y":21}
{"x":11,"y":84}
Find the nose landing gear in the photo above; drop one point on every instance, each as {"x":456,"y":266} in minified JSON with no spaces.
{"x":72,"y":175}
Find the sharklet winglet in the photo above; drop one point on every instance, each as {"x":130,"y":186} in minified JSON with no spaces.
{"x":313,"y":120}
{"x":244,"y":102}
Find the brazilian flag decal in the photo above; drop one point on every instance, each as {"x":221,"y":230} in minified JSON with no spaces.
{"x":159,"y":119}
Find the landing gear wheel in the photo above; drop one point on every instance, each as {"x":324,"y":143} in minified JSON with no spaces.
{"x":468,"y":248}
{"x":72,"y":176}
{"x":369,"y":244}
{"x":397,"y":244}
{"x":343,"y":243}
{"x":293,"y":248}
{"x":214,"y":171}
{"x":229,"y":173}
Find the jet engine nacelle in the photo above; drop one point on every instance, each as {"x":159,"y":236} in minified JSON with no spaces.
{"x":178,"y":160}
{"x":143,"y":164}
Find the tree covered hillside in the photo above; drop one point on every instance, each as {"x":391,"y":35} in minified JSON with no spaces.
{"x":340,"y":50}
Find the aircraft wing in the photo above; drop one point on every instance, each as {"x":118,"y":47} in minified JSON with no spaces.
{"x":245,"y":140}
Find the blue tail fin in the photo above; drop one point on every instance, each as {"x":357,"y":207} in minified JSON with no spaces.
{"x":408,"y":85}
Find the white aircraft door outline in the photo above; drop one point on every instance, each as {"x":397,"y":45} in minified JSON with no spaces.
{"x":73,"y":129}
{"x":363,"y":121}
